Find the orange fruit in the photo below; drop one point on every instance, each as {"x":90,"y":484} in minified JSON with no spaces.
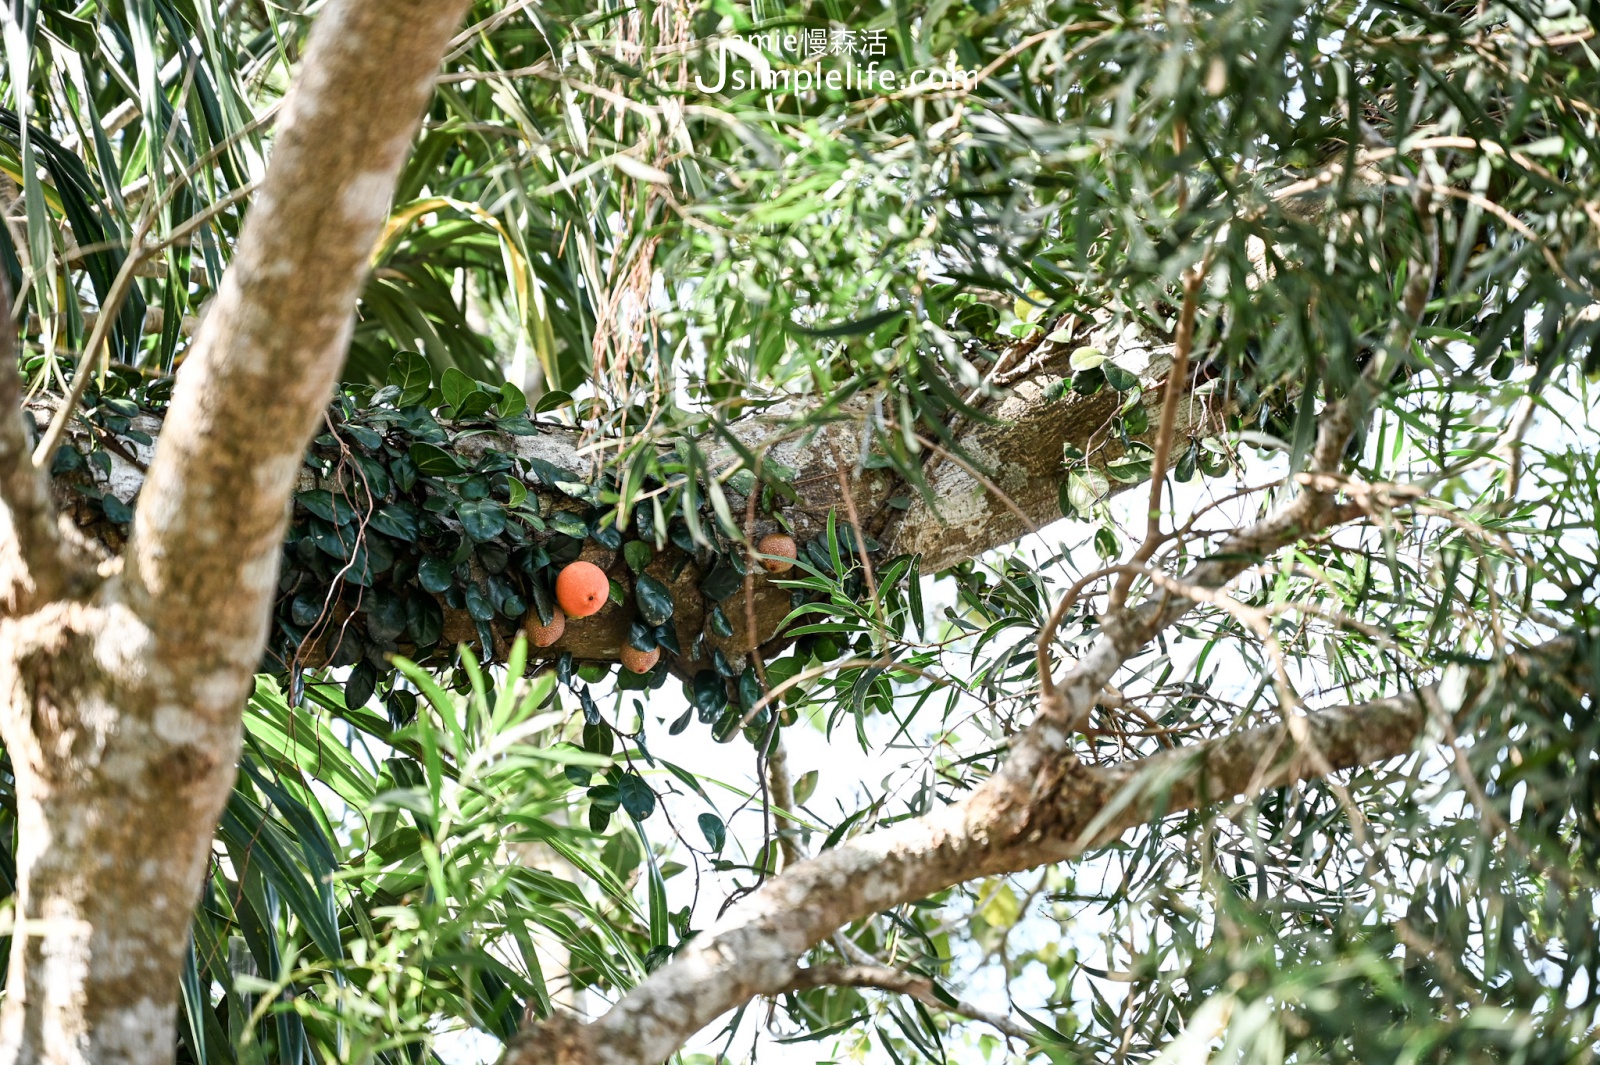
{"x":637,"y":661}
{"x":781,"y":544}
{"x":544,"y":635}
{"x":582,"y":589}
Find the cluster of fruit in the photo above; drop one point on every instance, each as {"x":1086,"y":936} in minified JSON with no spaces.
{"x":582,"y":589}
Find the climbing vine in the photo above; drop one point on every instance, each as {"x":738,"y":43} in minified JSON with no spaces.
{"x":419,"y":530}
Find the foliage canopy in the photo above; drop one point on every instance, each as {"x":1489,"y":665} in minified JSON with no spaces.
{"x":586,"y":242}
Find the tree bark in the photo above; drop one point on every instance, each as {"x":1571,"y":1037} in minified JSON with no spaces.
{"x":123,"y":679}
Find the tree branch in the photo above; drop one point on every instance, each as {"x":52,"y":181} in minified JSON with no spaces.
{"x":1065,"y":706}
{"x":1182,"y":348}
{"x":37,"y":562}
{"x":754,"y":949}
{"x":884,"y":978}
{"x":781,"y":788}
{"x":209,"y":525}
{"x":969,"y":516}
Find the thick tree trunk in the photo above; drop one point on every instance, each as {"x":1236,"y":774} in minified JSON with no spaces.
{"x":123,"y":679}
{"x":119,"y":785}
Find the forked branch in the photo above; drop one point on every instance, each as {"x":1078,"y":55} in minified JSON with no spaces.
{"x":37,"y":561}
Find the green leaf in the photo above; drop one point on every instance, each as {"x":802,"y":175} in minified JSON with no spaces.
{"x":305,"y":609}
{"x":327,"y":506}
{"x":1086,"y":489}
{"x":67,"y":460}
{"x":364,"y":437}
{"x":660,"y":916}
{"x":805,"y":786}
{"x":433,"y":461}
{"x":641,"y":636}
{"x":1136,"y":420}
{"x":621,"y":854}
{"x":482,"y":519}
{"x":636,"y":796}
{"x":607,"y":535}
{"x":655,"y":601}
{"x":410,"y":373}
{"x":544,"y":603}
{"x":1116,"y":376}
{"x":569,"y":524}
{"x":749,"y":688}
{"x":1002,"y":908}
{"x":479,"y":605}
{"x":456,"y":387}
{"x":386,"y":620}
{"x":859,"y":326}
{"x":1064,"y":500}
{"x":115,"y":509}
{"x":512,"y":402}
{"x":271,"y":851}
{"x":396,"y":520}
{"x":1086,"y":358}
{"x":1130,"y":470}
{"x":424,"y":620}
{"x":360,"y":685}
{"x":475,"y":404}
{"x":1106,"y":544}
{"x":716,"y":833}
{"x":552,"y":401}
{"x":1184,"y":470}
{"x":637,"y":554}
{"x":708,"y":694}
{"x":435,"y":574}
{"x":518,"y":426}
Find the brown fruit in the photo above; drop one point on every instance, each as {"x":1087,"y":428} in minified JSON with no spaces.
{"x":637,"y":661}
{"x":582,"y":589}
{"x":544,"y":635}
{"x":781,"y":544}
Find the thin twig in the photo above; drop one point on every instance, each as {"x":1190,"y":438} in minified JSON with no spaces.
{"x":1177,"y":382}
{"x":885,"y":978}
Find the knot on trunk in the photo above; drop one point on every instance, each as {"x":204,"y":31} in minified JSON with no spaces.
{"x":51,"y":723}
